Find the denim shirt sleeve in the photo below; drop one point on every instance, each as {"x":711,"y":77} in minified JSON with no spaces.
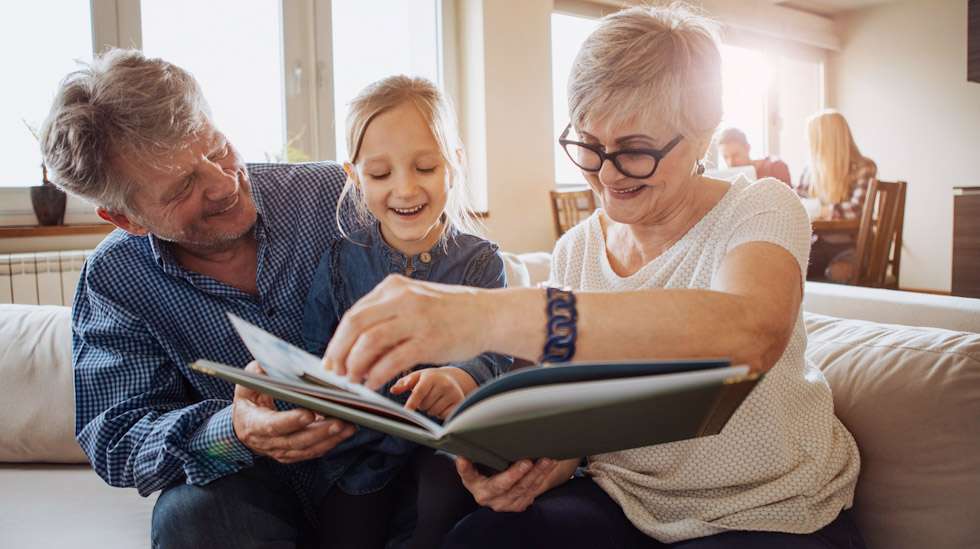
{"x":135,"y":417}
{"x":320,"y":316}
{"x":486,"y":270}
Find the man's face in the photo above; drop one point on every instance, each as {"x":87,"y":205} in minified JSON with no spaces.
{"x":734,"y":154}
{"x":197,"y":196}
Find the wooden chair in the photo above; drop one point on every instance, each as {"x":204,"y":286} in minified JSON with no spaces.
{"x":879,"y":241}
{"x":570,"y":207}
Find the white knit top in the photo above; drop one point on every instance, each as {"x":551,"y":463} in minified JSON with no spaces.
{"x":783,"y":462}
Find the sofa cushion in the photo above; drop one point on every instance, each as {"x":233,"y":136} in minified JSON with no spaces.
{"x":38,"y":408}
{"x":911,"y":397}
{"x":46,"y":506}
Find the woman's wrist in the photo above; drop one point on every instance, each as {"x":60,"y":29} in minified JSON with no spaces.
{"x":515,"y":320}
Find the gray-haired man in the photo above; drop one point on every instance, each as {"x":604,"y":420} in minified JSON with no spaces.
{"x":202,"y":234}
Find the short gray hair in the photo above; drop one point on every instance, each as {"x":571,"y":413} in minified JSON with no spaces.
{"x":663,"y":61}
{"x":121,"y":103}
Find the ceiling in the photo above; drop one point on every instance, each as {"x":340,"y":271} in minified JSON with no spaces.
{"x":829,"y":8}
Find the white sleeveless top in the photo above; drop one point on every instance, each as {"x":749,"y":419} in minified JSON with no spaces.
{"x":784,"y":462}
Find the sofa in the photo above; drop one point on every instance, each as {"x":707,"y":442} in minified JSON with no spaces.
{"x":905,"y":371}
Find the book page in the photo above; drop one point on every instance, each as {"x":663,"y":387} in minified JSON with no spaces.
{"x":285,"y":362}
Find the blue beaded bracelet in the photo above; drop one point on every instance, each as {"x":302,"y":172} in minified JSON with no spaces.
{"x":562,"y":331}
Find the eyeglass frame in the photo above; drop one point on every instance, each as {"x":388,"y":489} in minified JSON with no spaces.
{"x":600,"y":151}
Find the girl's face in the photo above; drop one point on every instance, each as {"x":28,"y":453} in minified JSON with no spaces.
{"x":404,"y":179}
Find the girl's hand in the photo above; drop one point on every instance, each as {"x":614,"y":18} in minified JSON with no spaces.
{"x":404,"y":322}
{"x":515,"y":489}
{"x":435,"y":390}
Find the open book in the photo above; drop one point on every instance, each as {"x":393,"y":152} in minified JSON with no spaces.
{"x":558,"y":411}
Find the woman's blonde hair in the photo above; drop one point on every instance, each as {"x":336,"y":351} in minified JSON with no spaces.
{"x":832,"y":154}
{"x":658,"y":61}
{"x":387,"y":94}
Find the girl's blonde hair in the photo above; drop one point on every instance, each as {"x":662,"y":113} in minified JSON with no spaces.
{"x":662,"y":62}
{"x":387,"y":94}
{"x":832,"y":153}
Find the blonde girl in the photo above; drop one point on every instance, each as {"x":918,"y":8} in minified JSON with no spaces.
{"x":406,"y":181}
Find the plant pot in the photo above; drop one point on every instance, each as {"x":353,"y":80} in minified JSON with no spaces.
{"x":48,"y":202}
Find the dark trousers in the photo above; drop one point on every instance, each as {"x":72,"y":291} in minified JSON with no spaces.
{"x":254,"y":508}
{"x":822,"y":254}
{"x":579,"y":514}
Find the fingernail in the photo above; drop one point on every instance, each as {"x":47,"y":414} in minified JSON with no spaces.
{"x":525,"y":467}
{"x":334,"y":429}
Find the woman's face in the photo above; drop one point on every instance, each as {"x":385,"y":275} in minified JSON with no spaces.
{"x":639,"y":201}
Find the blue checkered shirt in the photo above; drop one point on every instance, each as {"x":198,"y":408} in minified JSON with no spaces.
{"x":143,"y":418}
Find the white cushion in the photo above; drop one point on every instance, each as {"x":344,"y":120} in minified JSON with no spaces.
{"x":911,"y":398}
{"x":38,"y":407}
{"x":892,"y":306}
{"x":538,"y":265}
{"x":46,"y":506}
{"x":517,"y":275}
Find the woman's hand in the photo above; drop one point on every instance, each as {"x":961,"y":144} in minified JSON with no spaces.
{"x":404,"y":322}
{"x":515,"y":489}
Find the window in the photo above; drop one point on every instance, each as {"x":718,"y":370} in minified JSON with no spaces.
{"x":241,"y":73}
{"x":372,"y":40}
{"x":43,"y":38}
{"x":799,"y":87}
{"x":568,"y":32}
{"x":769,"y":96}
{"x":745,"y":78}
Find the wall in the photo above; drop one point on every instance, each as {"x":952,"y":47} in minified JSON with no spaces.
{"x":900,"y":79}
{"x":507,"y":127}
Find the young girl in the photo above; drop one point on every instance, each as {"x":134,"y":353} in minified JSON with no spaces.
{"x":405,"y":177}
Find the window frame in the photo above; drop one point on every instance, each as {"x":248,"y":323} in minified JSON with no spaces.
{"x":307,"y":74}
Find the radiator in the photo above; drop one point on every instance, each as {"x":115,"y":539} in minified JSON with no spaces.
{"x":40,"y":278}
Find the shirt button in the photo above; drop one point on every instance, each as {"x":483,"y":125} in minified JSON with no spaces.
{"x":425,"y":257}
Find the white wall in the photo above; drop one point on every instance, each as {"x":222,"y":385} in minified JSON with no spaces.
{"x":900,"y":79}
{"x":506,"y":96}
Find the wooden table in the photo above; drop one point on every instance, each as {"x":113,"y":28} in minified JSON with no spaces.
{"x":836,"y":226}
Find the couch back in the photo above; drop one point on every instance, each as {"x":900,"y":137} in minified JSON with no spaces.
{"x":910,"y":396}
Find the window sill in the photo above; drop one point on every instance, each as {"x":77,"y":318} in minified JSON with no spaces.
{"x":24,"y":231}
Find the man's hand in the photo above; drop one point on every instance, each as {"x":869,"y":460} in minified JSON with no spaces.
{"x":287,"y":437}
{"x":435,"y":390}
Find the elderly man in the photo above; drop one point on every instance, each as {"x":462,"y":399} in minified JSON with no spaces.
{"x":202,"y":234}
{"x":734,"y":148}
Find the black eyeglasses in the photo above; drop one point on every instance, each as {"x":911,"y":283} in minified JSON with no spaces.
{"x":633,"y":163}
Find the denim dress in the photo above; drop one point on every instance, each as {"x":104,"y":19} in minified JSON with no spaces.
{"x":349,"y":269}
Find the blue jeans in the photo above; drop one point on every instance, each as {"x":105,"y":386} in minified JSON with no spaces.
{"x":251,"y":508}
{"x":580,"y":514}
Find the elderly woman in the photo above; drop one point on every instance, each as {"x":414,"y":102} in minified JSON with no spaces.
{"x":674,"y":265}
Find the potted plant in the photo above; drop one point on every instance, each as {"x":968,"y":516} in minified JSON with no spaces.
{"x":47,"y":199}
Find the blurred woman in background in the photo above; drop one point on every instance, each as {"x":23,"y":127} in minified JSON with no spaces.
{"x":837,"y":176}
